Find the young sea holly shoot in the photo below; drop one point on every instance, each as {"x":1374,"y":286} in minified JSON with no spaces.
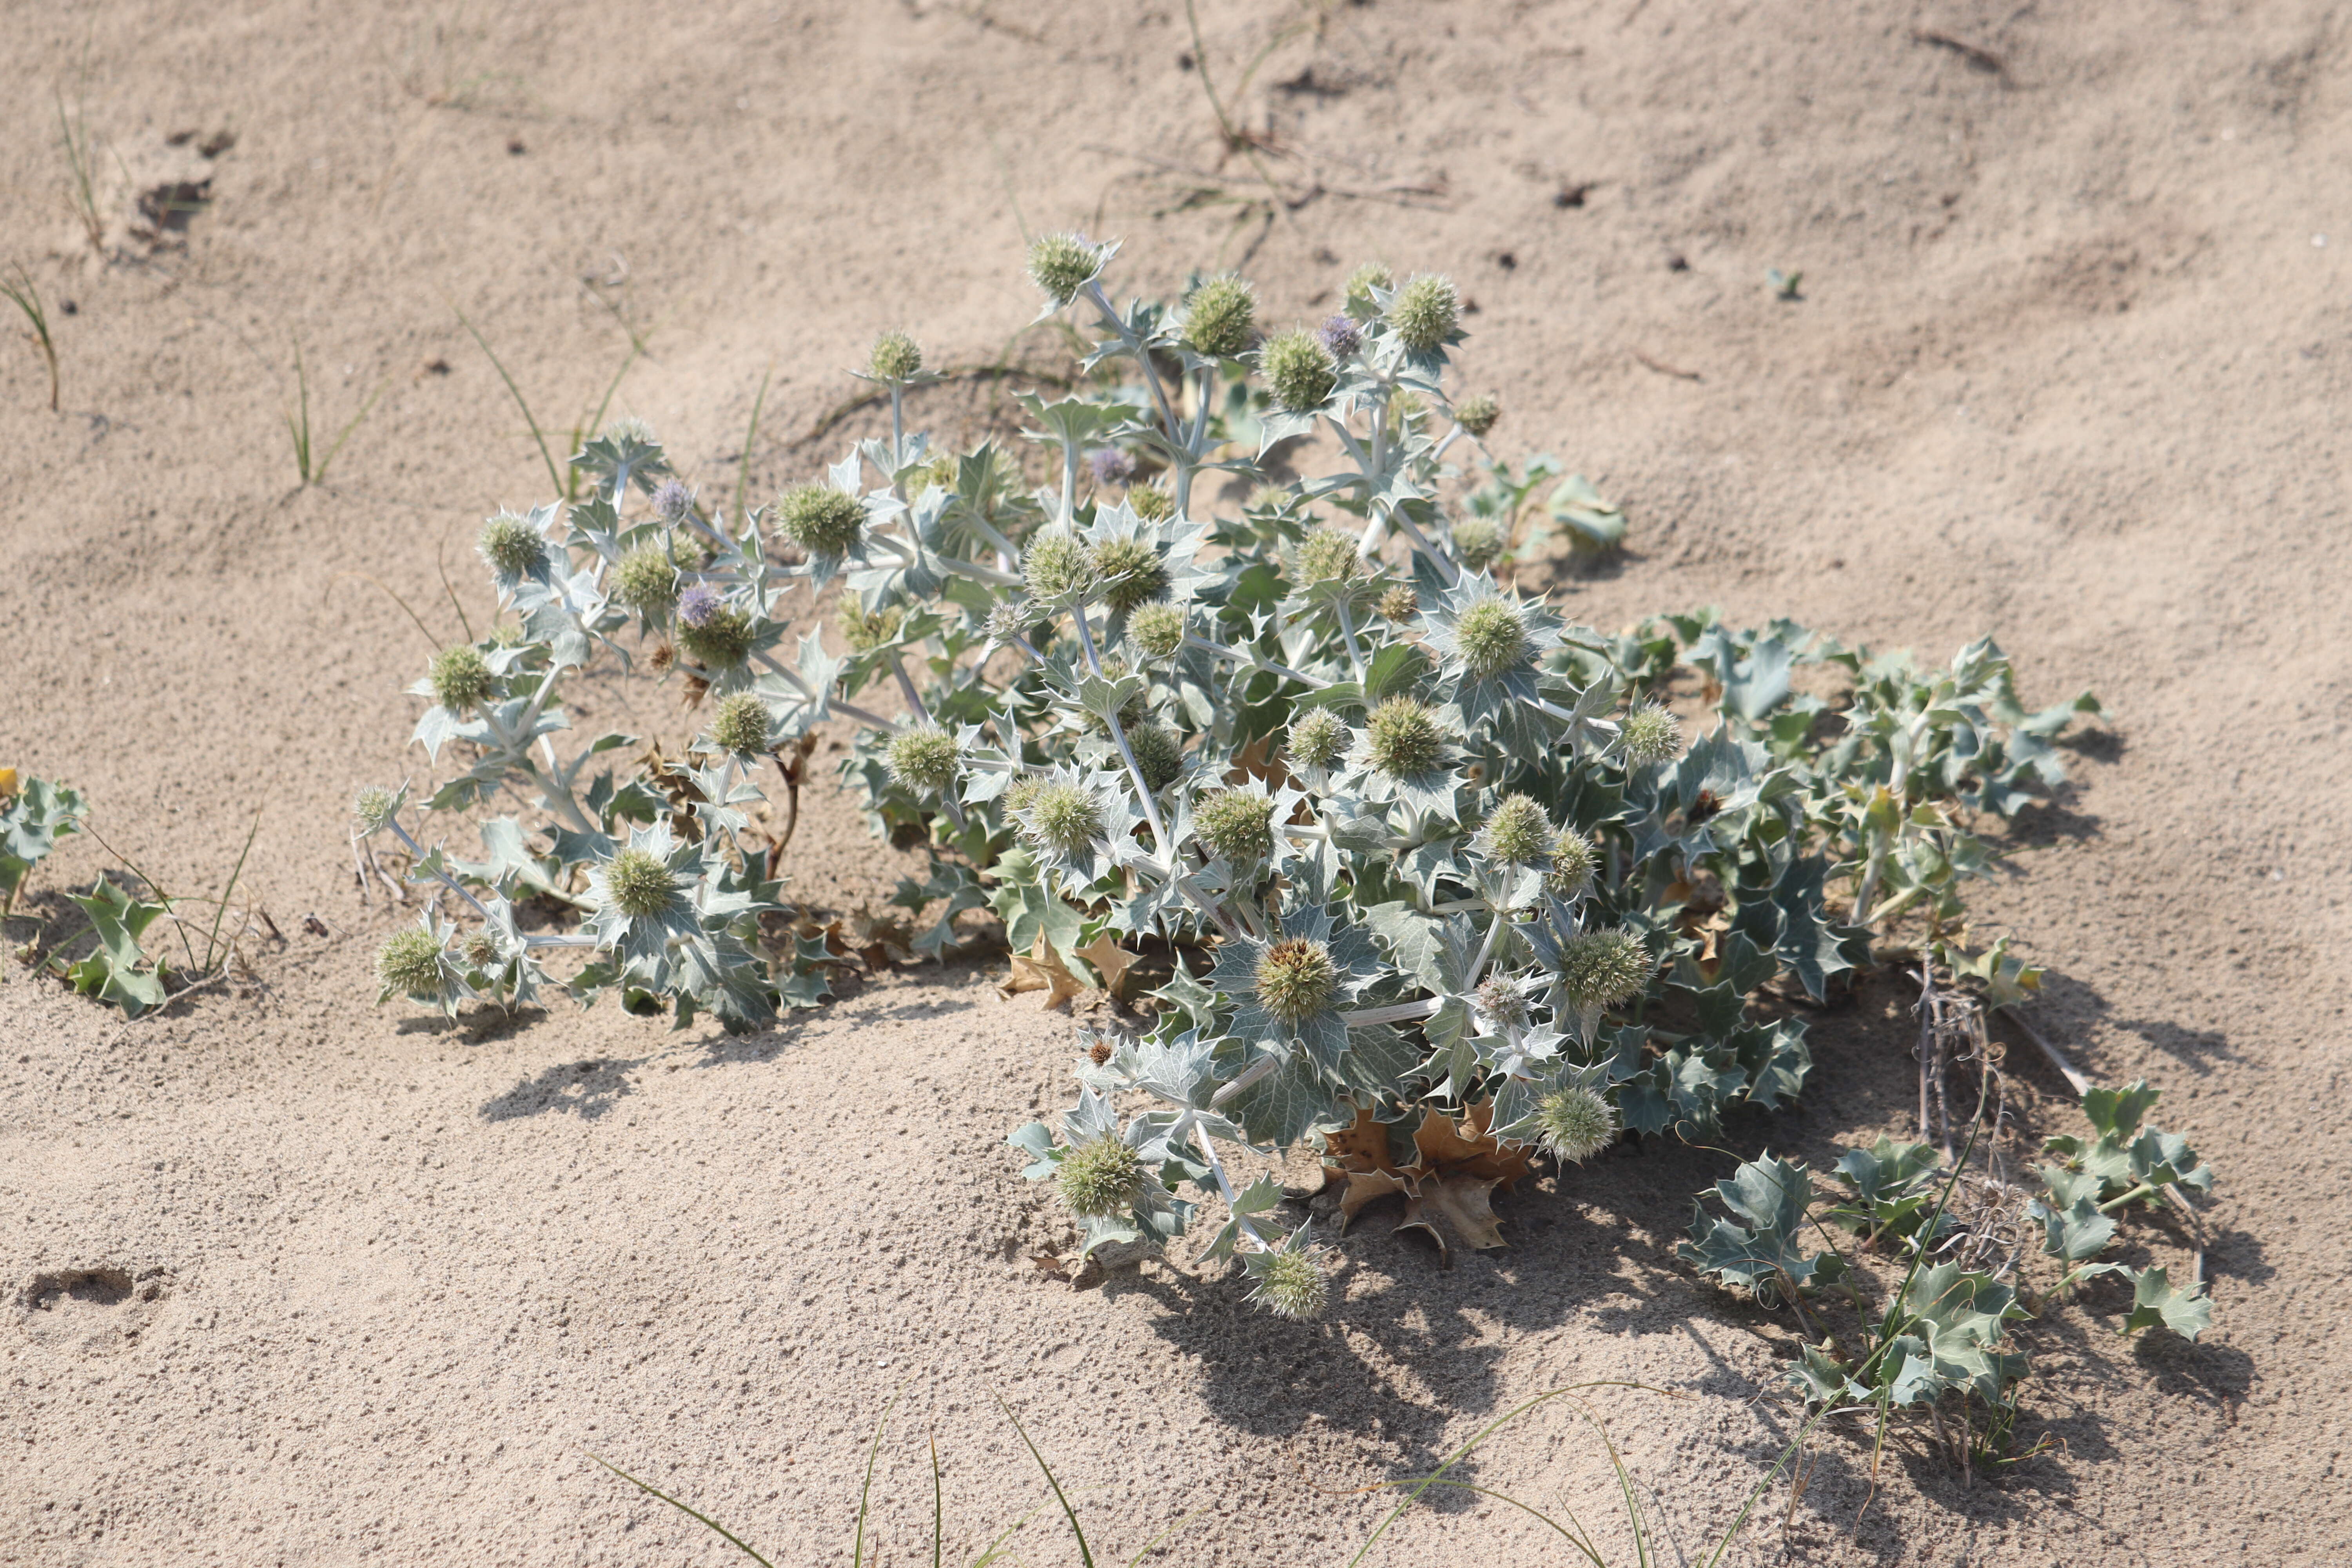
{"x":1446,"y":885}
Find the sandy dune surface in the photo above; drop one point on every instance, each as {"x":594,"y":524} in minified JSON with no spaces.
{"x":288,"y":1278}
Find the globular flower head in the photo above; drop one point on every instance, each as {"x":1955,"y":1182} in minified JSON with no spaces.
{"x":1315,"y":738}
{"x":1101,"y":1177}
{"x":1009,"y":618}
{"x":1296,"y":979}
{"x":1126,"y":573}
{"x":717,"y":633}
{"x":1516,"y":833}
{"x":1402,"y":737}
{"x":1219,"y":317}
{"x":1022,"y":792}
{"x":820,"y":520}
{"x":1650,"y":733}
{"x":1491,"y":638}
{"x":1159,"y":752}
{"x":1237,"y":825}
{"x":1055,"y":567}
{"x":1062,"y":264}
{"x":512,"y":548}
{"x":1574,"y":859}
{"x":1479,"y":540}
{"x":1157,"y":630}
{"x":1604,"y":968}
{"x":1290,"y":1283}
{"x":1326,"y":556}
{"x":1340,"y":337}
{"x":740,"y":725}
{"x":461,"y":679}
{"x":638,"y":883}
{"x":1478,"y":413}
{"x":674,"y":503}
{"x":1574,"y":1123}
{"x":646,"y":580}
{"x":1152,"y":503}
{"x":1110,"y":466}
{"x":1299,"y":370}
{"x":1399,"y":602}
{"x":1372,"y":275}
{"x":1062,"y":817}
{"x":480,"y":951}
{"x":1504,"y":1000}
{"x":1423,"y":313}
{"x":374,"y":809}
{"x":896,"y":356}
{"x":923,"y":757}
{"x":1270,"y":500}
{"x":409,"y":964}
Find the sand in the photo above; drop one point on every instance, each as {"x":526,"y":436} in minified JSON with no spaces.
{"x":288,"y":1278}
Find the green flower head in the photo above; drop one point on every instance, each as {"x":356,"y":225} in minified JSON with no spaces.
{"x":1299,"y":370}
{"x":1101,"y":1177}
{"x":896,"y":357}
{"x":409,"y":964}
{"x":1478,"y":413}
{"x":1361,"y":283}
{"x":512,"y":548}
{"x":1650,"y":733}
{"x":1516,"y":833}
{"x":1126,"y":573}
{"x":1574,"y":859}
{"x":1157,"y":630}
{"x":638,"y":883}
{"x":461,"y":679}
{"x":1055,"y":567}
{"x":1574,"y":1123}
{"x":1237,"y":825}
{"x":1315,"y":738}
{"x":720,"y":638}
{"x":1398,"y":603}
{"x":1062,"y":264}
{"x":1402,"y":737}
{"x":375,"y":808}
{"x":1292,"y":986}
{"x":1219,"y":316}
{"x":820,"y":520}
{"x":1479,"y":540}
{"x":1423,"y":313}
{"x":1326,"y":556}
{"x":1491,"y":638}
{"x":1159,"y":752}
{"x":1290,"y":1282}
{"x":1150,"y":502}
{"x":923,"y":757}
{"x":1604,"y":968}
{"x":646,"y":580}
{"x":740,"y":725}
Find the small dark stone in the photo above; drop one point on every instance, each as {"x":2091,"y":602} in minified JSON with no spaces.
{"x":1675,"y":262}
{"x":515,"y":146}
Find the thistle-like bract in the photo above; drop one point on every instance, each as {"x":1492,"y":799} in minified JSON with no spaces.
{"x":1126,"y":573}
{"x":1292,"y":1285}
{"x":1299,"y":371}
{"x":646,"y":580}
{"x":1516,"y":833}
{"x":1237,"y":824}
{"x":1403,"y":738}
{"x":1604,"y":968}
{"x":1100,"y":1178}
{"x":461,"y":678}
{"x":1062,"y":264}
{"x":740,"y":725}
{"x":1315,"y":738}
{"x":1219,"y":316}
{"x":1574,"y":1123}
{"x":1296,"y":979}
{"x":1477,"y":414}
{"x":1055,"y":567}
{"x":409,"y":963}
{"x":1650,"y":733}
{"x":820,"y":520}
{"x":511,"y":547}
{"x":1157,"y":629}
{"x":1479,"y":542}
{"x":923,"y":757}
{"x":1423,"y":312}
{"x":896,"y":357}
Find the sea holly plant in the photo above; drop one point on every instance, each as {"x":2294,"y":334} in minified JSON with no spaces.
{"x":1210,"y":662}
{"x":34,"y":815}
{"x":1941,"y":1340}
